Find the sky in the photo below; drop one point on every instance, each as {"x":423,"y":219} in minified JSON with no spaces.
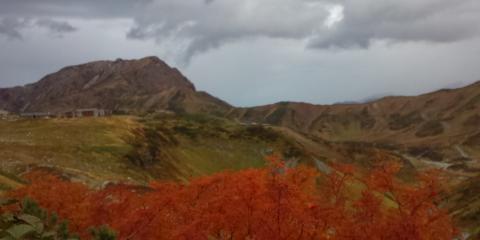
{"x":255,"y":52}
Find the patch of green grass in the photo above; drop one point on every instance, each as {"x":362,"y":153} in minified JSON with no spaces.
{"x":206,"y":145}
{"x":86,"y":146}
{"x":214,"y":156}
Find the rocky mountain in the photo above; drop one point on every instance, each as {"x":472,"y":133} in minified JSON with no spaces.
{"x":142,"y":85}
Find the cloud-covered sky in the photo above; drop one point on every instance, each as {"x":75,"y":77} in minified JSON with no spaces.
{"x":252,"y":52}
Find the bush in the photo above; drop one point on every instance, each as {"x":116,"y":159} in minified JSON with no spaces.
{"x":32,"y":222}
{"x":103,"y":233}
{"x":271,"y":203}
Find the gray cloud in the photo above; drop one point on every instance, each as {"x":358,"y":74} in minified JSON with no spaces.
{"x":399,"y":21}
{"x":72,"y":8}
{"x":201,"y":25}
{"x":11,"y":27}
{"x":57,"y":28}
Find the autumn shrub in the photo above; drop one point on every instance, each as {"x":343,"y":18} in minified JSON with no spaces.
{"x":271,"y":203}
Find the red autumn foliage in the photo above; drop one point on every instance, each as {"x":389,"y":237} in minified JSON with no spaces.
{"x":271,"y":203}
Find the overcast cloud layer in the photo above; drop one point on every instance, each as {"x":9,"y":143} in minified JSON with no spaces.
{"x":253,"y":52}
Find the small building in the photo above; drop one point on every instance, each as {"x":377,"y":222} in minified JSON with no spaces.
{"x":92,"y":112}
{"x":88,"y":112}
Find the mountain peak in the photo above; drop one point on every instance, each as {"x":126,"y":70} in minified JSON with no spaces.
{"x":136,"y":85}
{"x":149,"y":60}
{"x":152,"y":59}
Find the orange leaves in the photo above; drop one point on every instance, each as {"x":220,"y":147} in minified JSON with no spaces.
{"x":275,"y":162}
{"x":271,"y":203}
{"x":382,"y":177}
{"x":346,"y":169}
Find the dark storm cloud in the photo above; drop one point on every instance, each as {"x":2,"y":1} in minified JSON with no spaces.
{"x":200,"y":25}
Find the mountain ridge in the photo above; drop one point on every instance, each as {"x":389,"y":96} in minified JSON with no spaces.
{"x":172,"y":78}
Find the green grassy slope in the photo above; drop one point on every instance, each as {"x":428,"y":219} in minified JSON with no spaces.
{"x":95,"y":150}
{"x":89,"y":148}
{"x":195,"y":145}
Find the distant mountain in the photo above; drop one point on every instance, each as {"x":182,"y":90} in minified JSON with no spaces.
{"x":147,"y":84}
{"x":436,"y":114}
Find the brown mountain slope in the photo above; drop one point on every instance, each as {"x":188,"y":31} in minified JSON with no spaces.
{"x":439,"y":128}
{"x":424,"y":116}
{"x":123,"y":85}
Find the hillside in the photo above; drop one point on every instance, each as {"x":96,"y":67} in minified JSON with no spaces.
{"x":464,"y":204}
{"x":137,"y":149}
{"x":441,"y":126}
{"x":131,"y":86}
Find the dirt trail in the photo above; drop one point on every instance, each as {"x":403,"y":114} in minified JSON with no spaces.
{"x":461,"y":152}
